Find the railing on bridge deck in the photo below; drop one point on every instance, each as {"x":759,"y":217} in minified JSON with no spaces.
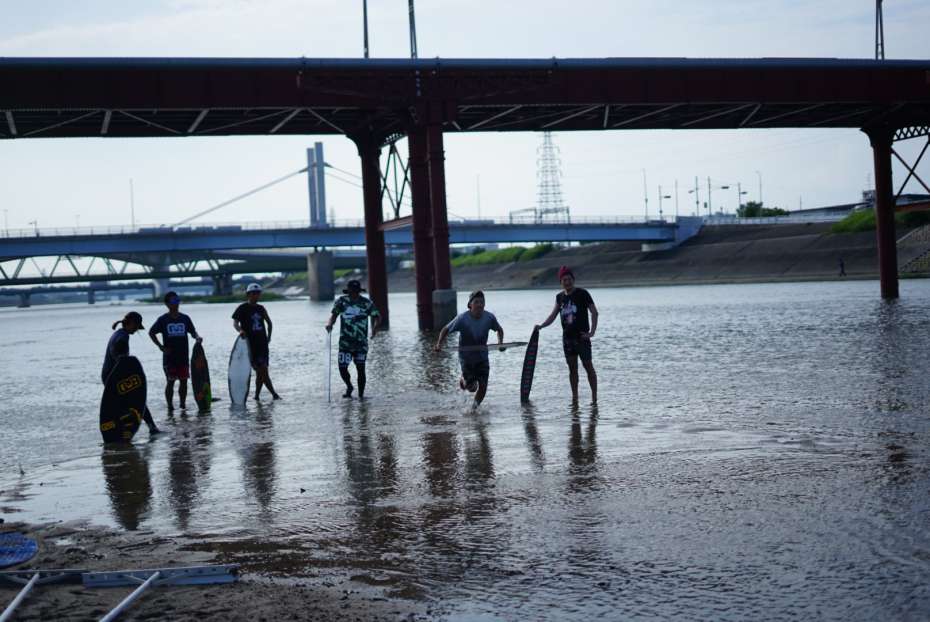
{"x":218,"y":227}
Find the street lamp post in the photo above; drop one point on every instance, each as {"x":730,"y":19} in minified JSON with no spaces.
{"x":739,"y":197}
{"x":365,"y":24}
{"x":645,"y":196}
{"x":662,"y":196}
{"x":697,"y":200}
{"x":760,"y":188}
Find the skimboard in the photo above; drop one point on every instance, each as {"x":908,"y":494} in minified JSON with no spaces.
{"x":200,"y":378}
{"x":123,"y":401}
{"x":529,"y":366}
{"x":240,"y":371}
{"x":492,"y":346}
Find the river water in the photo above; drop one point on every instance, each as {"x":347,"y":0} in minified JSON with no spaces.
{"x":759,"y":451}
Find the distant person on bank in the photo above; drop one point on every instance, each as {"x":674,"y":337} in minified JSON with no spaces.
{"x":252,"y":322}
{"x":572,"y":304}
{"x":355,"y":311}
{"x":174,"y":327}
{"x":119,"y":346}
{"x":473,"y":327}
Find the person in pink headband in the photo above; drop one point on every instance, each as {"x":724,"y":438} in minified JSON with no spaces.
{"x":572,"y":305}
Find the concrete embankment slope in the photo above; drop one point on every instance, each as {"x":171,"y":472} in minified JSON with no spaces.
{"x":718,"y":254}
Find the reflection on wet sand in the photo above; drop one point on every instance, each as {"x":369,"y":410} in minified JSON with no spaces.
{"x":533,"y":442}
{"x":372,"y":475}
{"x":188,"y":463}
{"x":582,"y":450}
{"x":253,"y":433}
{"x":126,"y":472}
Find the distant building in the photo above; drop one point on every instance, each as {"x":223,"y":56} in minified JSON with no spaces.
{"x":867,"y":202}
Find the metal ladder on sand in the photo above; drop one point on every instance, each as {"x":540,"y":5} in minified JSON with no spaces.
{"x":140,"y":579}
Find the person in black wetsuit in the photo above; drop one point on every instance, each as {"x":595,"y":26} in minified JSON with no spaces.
{"x":252,"y":322}
{"x":119,"y":346}
{"x":572,"y":304}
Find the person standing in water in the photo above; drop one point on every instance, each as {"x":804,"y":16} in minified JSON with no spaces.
{"x":572,"y":305}
{"x":250,"y":320}
{"x":117,"y":347}
{"x":174,"y":327}
{"x":473,"y":327}
{"x":355,"y":310}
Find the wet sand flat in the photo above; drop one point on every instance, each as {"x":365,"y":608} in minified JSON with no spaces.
{"x":757,"y":451}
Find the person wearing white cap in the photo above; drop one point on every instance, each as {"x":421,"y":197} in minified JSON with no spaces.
{"x":250,"y":320}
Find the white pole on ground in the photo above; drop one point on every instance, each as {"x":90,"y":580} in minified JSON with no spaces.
{"x":8,"y":612}
{"x":329,"y":366}
{"x":120,"y":608}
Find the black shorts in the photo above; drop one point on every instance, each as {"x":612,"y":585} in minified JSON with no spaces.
{"x":258,"y":351}
{"x":576,"y":346}
{"x":476,"y":372}
{"x":346,"y":356}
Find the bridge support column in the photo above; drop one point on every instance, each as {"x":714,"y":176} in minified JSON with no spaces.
{"x":161,"y":286}
{"x":443,"y":296}
{"x":24,"y":300}
{"x":222,"y":285}
{"x":423,"y":256}
{"x":320,"y":275}
{"x":369,"y":151}
{"x":91,"y":296}
{"x":881,"y":139}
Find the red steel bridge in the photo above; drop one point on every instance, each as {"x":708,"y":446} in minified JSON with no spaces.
{"x":375,"y":102}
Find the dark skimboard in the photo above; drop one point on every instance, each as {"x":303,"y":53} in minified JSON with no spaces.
{"x":123,"y":401}
{"x":529,"y":366}
{"x":200,"y":378}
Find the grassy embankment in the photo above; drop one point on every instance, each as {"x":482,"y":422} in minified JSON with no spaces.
{"x":481,"y":257}
{"x":864,"y":220}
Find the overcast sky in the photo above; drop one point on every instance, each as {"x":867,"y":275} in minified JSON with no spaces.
{"x":57,"y":182}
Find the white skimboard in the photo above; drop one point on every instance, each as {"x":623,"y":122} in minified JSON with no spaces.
{"x":240,"y":371}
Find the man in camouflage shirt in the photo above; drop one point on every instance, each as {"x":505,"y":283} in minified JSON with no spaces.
{"x":355,"y":310}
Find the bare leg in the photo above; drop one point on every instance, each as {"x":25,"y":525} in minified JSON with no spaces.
{"x":346,"y":378}
{"x":259,"y":381}
{"x":274,"y":394}
{"x":147,"y":417}
{"x":482,"y":389}
{"x":169,"y":394}
{"x":182,"y":392}
{"x":362,"y":378}
{"x":573,"y":376}
{"x":592,"y":379}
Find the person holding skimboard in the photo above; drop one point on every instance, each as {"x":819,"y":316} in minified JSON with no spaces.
{"x":473,"y":327}
{"x":355,"y":311}
{"x":117,"y":347}
{"x":174,"y":327}
{"x":250,"y":320}
{"x":572,"y":304}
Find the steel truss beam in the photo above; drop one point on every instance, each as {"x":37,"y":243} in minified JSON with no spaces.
{"x":912,"y":170}
{"x":906,"y":133}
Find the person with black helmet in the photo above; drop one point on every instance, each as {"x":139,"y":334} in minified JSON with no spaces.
{"x":473,"y":327}
{"x":572,"y":305}
{"x":251,"y":321}
{"x":119,"y":346}
{"x":174,"y":326}
{"x":355,"y":311}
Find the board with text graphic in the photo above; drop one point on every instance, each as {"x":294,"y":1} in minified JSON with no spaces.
{"x":123,"y":401}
